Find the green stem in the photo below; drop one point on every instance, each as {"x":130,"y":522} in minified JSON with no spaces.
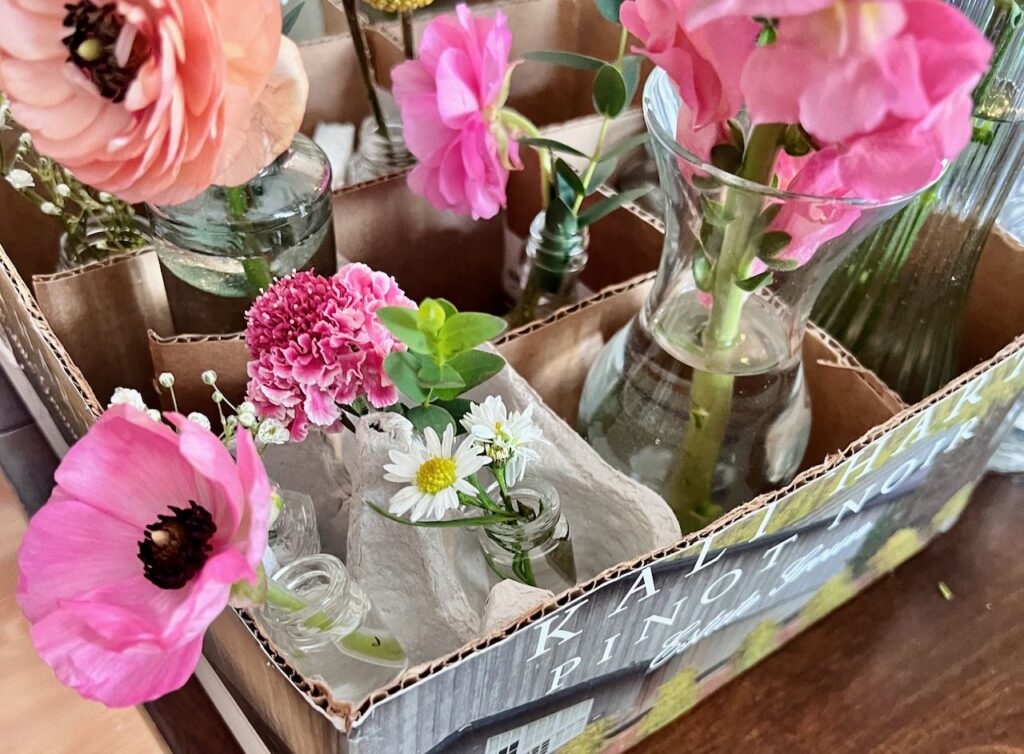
{"x":525,"y":125}
{"x":365,"y":66}
{"x":408,"y":38}
{"x":691,"y":482}
{"x":379,"y":649}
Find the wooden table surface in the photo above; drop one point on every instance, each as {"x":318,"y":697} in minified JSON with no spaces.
{"x":898,"y":669}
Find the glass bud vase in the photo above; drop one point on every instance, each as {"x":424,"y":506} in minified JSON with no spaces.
{"x":332,"y":634}
{"x":100,"y":240}
{"x":233,"y":241}
{"x":701,"y":397}
{"x":293,"y":531}
{"x":884,"y":303}
{"x":544,"y":275}
{"x":537,"y":552}
{"x":377,"y":156}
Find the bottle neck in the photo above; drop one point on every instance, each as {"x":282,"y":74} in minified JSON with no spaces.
{"x":539,"y":497}
{"x":335,"y":605}
{"x":381,"y":155}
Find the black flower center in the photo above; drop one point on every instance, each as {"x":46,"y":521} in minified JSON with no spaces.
{"x":92,"y":45}
{"x":176,"y":547}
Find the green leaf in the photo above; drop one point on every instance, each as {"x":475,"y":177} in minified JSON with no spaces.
{"x":726,"y":157}
{"x":402,"y":367}
{"x":702,"y":273}
{"x":554,"y":146}
{"x":288,"y":22}
{"x":782,"y":265}
{"x":494,"y":518}
{"x":475,"y":368}
{"x":754,"y":282}
{"x":404,"y":324}
{"x":566,"y":59}
{"x":467,"y":330}
{"x":448,"y":306}
{"x":710,"y":239}
{"x":595,"y":212}
{"x":457,"y":407}
{"x":571,"y":179}
{"x":768,"y":215}
{"x":431,"y":416}
{"x":772,"y":244}
{"x":631,"y":75}
{"x":440,"y":376}
{"x":626,"y":145}
{"x":610,"y":9}
{"x":602,"y":172}
{"x":430,"y":316}
{"x":609,"y":91}
{"x":716,"y":213}
{"x":560,"y":220}
{"x":736,"y":134}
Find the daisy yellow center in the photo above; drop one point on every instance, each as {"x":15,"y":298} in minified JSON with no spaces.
{"x":435,"y":474}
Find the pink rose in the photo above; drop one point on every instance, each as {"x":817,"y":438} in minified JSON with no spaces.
{"x":151,"y":100}
{"x":705,"y":64}
{"x":135,"y":554}
{"x":450,"y":99}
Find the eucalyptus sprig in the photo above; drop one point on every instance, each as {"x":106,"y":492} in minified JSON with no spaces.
{"x":443,"y":359}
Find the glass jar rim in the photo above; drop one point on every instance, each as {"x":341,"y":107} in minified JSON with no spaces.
{"x":540,"y":489}
{"x":301,"y":571}
{"x":658,"y":83}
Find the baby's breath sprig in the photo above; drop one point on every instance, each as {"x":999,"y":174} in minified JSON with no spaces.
{"x":56,"y":192}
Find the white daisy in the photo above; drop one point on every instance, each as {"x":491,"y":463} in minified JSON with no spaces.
{"x":505,"y":436}
{"x":434,"y":473}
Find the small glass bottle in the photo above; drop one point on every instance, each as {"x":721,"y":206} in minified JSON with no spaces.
{"x":537,"y":553}
{"x":329,"y":630}
{"x":233,"y":241}
{"x":100,"y":241}
{"x":293,"y":529}
{"x":376,"y":156}
{"x":545,"y":275}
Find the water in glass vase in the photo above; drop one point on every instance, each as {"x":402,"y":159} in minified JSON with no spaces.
{"x":638,"y":396}
{"x":233,"y":241}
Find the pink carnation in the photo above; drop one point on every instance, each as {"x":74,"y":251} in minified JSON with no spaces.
{"x":315,"y":345}
{"x":450,"y":98}
{"x":136,"y":552}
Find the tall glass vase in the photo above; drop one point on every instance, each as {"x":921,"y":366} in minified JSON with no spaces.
{"x":702,"y":396}
{"x":898,"y":303}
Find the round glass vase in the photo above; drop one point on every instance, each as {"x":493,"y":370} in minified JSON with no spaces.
{"x":377,"y":156}
{"x":100,"y":240}
{"x":537,"y":552}
{"x":543,"y":275}
{"x":330,"y":631}
{"x":701,"y":397}
{"x":233,"y":241}
{"x":293,"y":531}
{"x":882,"y":303}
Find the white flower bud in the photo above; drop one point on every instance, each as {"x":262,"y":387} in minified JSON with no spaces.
{"x":5,"y":113}
{"x":166,"y":379}
{"x":217,"y":396}
{"x":63,"y":189}
{"x":25,"y":139}
{"x":128,"y":396}
{"x":209,"y":377}
{"x":247,"y":407}
{"x":21,"y":179}
{"x":49,"y":208}
{"x":272,"y":432}
{"x":104,"y":197}
{"x":153,"y":414}
{"x":199,"y":419}
{"x":247,"y":420}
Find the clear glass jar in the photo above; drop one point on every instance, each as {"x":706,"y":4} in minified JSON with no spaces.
{"x":331,"y":633}
{"x":293,"y":529}
{"x":100,"y":241}
{"x":543,"y":275}
{"x":233,"y":241}
{"x":882,"y":303}
{"x":702,"y":395}
{"x":538,"y":552}
{"x":376,"y":156}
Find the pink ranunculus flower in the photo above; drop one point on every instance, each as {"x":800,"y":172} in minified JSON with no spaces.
{"x":315,"y":345}
{"x":135,"y":553}
{"x":150,"y":100}
{"x":450,"y":99}
{"x":874,"y":79}
{"x":705,"y":64}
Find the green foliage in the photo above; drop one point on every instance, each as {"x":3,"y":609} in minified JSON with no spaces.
{"x":606,"y":206}
{"x":900,"y":546}
{"x":540,"y":142}
{"x":566,"y":59}
{"x":610,"y":9}
{"x":758,"y":644}
{"x":831,"y":595}
{"x":442,"y":361}
{"x":675,"y":697}
{"x":290,"y":18}
{"x":610,"y":91}
{"x":591,"y":741}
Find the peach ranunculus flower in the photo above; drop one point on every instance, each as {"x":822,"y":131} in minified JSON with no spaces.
{"x":151,"y":100}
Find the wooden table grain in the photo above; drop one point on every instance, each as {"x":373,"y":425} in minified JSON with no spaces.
{"x":898,"y":669}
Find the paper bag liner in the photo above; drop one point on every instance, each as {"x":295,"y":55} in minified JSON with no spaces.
{"x":101,"y":313}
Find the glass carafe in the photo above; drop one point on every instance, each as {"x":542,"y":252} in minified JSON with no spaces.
{"x":332,"y":634}
{"x":702,"y":395}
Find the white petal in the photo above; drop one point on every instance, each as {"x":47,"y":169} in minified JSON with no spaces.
{"x":447,"y":441}
{"x":403,"y":500}
{"x":432,"y":443}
